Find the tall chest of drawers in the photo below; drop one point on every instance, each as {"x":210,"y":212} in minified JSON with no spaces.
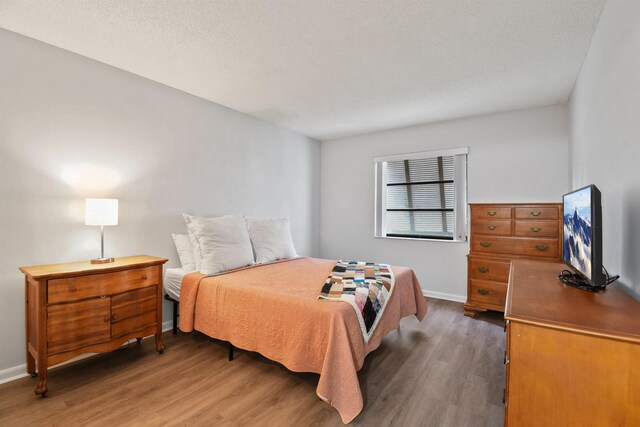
{"x":501,"y":233}
{"x":81,"y":307}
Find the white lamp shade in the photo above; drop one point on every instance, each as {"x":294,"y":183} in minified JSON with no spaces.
{"x":101,"y":212}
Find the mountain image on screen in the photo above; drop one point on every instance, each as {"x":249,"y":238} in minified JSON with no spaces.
{"x":577,"y":241}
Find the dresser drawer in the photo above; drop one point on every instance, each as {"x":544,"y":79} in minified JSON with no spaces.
{"x":492,"y":293}
{"x":545,"y":248}
{"x":536,"y":212}
{"x":489,"y":212}
{"x":536,"y":228}
{"x":485,"y":269}
{"x":76,"y":288}
{"x":495,"y":227}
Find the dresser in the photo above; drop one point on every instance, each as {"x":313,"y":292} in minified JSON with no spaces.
{"x":80,"y":307}
{"x":572,"y":357}
{"x":501,"y":233}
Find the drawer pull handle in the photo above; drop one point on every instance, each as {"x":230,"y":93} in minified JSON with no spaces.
{"x":491,"y":227}
{"x":485,"y":244}
{"x":72,"y":289}
{"x":542,"y":248}
{"x":482,"y":291}
{"x":536,"y":229}
{"x":535,"y":213}
{"x":491,"y":213}
{"x":107,"y":319}
{"x":483,"y":270}
{"x":144,"y":277}
{"x":115,"y":317}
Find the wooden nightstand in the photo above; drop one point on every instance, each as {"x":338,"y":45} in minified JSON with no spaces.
{"x":81,"y":307}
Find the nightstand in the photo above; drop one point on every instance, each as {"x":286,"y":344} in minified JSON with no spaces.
{"x":80,"y":307}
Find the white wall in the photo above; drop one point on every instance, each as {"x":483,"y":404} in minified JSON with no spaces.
{"x":513,"y":157}
{"x":73,"y":128}
{"x":605,"y":150}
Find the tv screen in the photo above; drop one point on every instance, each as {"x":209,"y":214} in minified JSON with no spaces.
{"x":582,"y":233}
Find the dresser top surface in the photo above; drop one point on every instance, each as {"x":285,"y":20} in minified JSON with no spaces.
{"x":536,"y":296}
{"x":50,"y":271}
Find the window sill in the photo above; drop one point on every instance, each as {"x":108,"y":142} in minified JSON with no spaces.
{"x":465,"y":240}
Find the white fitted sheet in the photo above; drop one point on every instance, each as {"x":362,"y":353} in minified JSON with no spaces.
{"x":173,"y":281}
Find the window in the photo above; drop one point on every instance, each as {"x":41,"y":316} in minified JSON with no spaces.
{"x":422,"y":195}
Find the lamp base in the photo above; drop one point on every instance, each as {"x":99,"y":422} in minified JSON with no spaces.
{"x":102,"y":260}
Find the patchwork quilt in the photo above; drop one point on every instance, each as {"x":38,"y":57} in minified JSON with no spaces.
{"x":365,"y":285}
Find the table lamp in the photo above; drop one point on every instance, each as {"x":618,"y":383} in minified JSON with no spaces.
{"x":101,"y":212}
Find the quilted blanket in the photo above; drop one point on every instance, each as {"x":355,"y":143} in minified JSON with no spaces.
{"x":365,"y":285}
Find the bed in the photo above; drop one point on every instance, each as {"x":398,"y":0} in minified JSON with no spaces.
{"x":274,"y":309}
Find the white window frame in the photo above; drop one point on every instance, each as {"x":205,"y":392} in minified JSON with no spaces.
{"x":459,"y":191}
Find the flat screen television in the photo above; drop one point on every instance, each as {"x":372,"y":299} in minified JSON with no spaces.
{"x":582,"y":234}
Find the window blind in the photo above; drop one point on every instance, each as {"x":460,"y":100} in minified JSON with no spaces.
{"x":422,"y":195}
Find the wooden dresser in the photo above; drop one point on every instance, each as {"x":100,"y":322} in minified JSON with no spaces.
{"x":572,"y":356}
{"x":82,"y":307}
{"x":501,"y":233}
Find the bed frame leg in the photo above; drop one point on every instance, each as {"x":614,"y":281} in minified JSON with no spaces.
{"x":230,"y":352}
{"x":175,"y":317}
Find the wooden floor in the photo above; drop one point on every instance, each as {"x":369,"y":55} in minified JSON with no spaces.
{"x":445,"y":371}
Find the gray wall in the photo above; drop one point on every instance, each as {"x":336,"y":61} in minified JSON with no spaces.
{"x":513,"y":157}
{"x":73,"y":128}
{"x":605,"y":150}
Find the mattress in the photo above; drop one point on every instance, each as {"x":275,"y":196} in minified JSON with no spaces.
{"x":173,"y":281}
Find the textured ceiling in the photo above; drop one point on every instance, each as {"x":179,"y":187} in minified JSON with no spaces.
{"x":332,"y":68}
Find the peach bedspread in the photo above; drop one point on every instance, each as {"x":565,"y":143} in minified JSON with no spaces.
{"x":274,"y":309}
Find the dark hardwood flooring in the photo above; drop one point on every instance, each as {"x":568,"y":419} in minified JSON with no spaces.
{"x":446,"y":371}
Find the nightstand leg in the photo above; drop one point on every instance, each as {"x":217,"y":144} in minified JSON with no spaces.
{"x":31,"y":363}
{"x":159,"y":346}
{"x":42,"y":388}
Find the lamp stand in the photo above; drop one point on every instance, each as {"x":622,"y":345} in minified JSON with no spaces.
{"x":102,"y":259}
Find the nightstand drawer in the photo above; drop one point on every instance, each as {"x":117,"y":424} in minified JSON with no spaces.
{"x":486,"y":292}
{"x":133,"y":303}
{"x":75,"y":325}
{"x":76,"y":288}
{"x":132,"y":324}
{"x":494,"y":227}
{"x":536,"y":212}
{"x":485,"y":269}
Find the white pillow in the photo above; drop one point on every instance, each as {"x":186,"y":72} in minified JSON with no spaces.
{"x":271,"y":239}
{"x":185,"y":251}
{"x":223,"y":242}
{"x":195,"y":247}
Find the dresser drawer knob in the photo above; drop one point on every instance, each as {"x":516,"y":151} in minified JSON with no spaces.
{"x":107,"y":319}
{"x":542,"y":248}
{"x":72,"y":289}
{"x":144,"y":277}
{"x":483,"y":270}
{"x":485,"y":244}
{"x":491,"y":227}
{"x":536,"y":229}
{"x":491,"y":213}
{"x":115,"y":317}
{"x":483,"y":291}
{"x":535,"y":213}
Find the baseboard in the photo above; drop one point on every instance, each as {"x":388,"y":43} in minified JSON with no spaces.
{"x":167,"y":325}
{"x":20,"y":371}
{"x":442,"y":295}
{"x":13,"y":373}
